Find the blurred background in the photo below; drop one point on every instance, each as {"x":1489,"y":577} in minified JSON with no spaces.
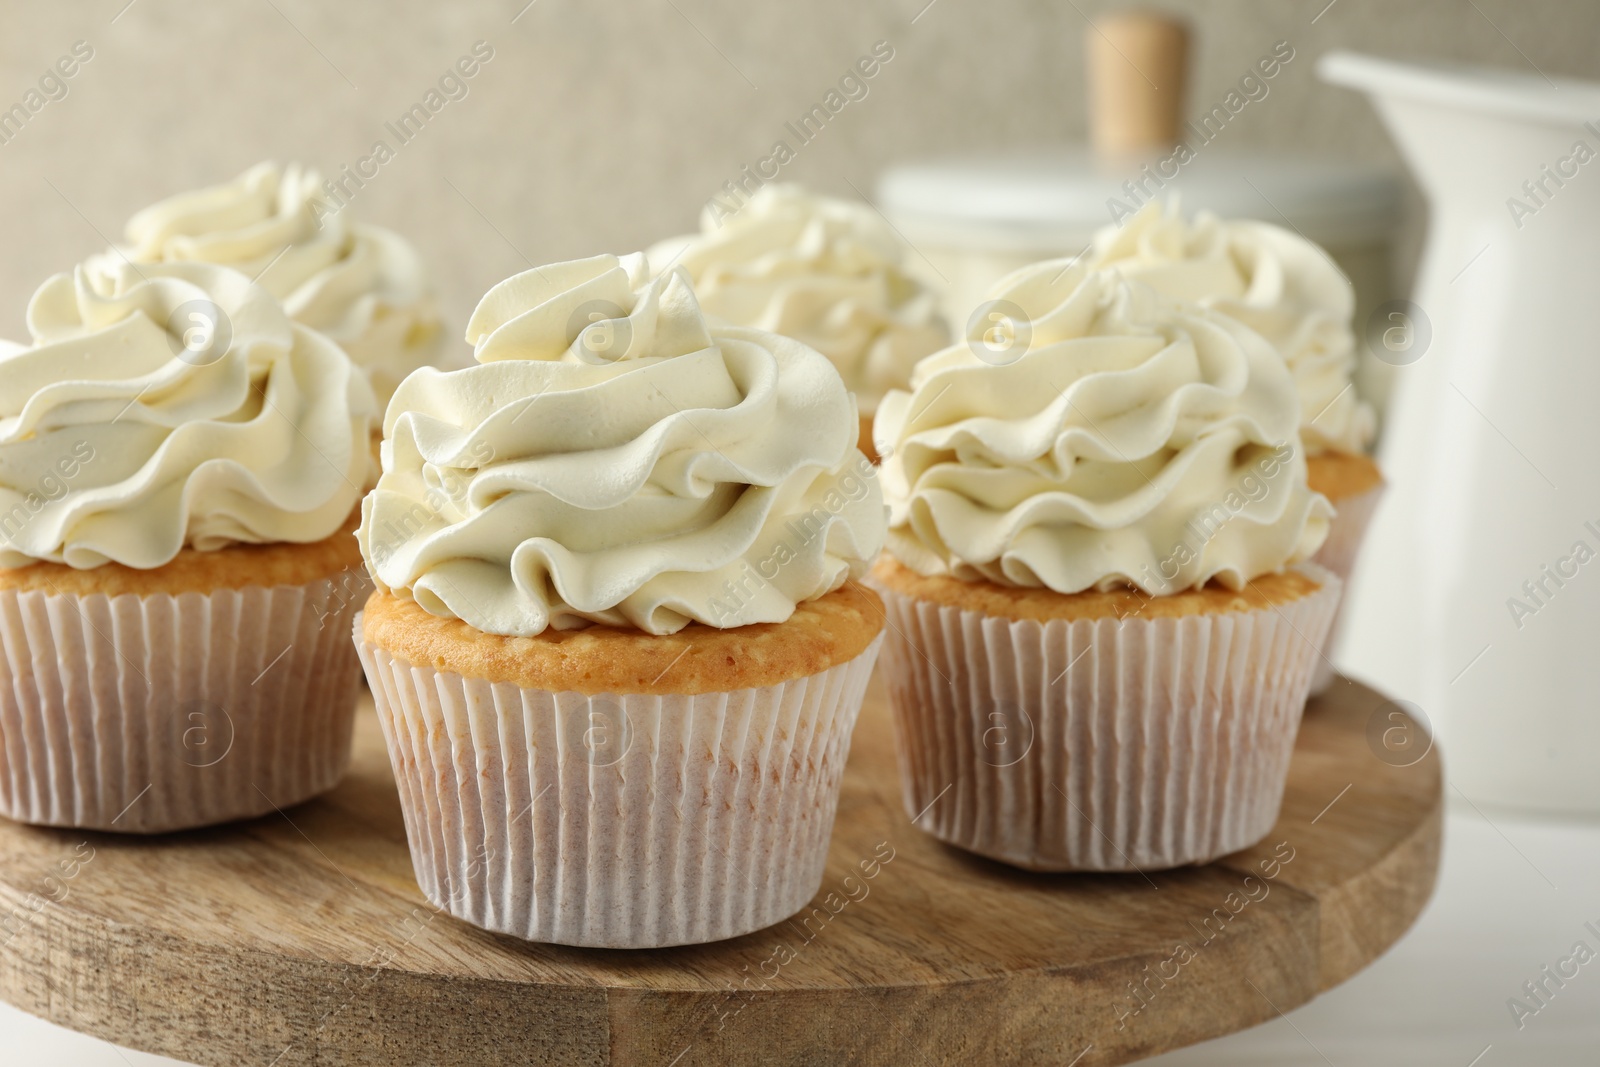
{"x":605,"y":127}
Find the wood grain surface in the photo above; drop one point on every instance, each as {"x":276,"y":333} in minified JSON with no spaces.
{"x":302,"y":938}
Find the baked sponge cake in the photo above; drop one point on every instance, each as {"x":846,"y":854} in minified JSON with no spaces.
{"x":619,"y":640}
{"x":180,"y":468}
{"x":1103,"y":621}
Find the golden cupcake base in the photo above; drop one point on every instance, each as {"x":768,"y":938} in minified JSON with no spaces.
{"x":821,"y":634}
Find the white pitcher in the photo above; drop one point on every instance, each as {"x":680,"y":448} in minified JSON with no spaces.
{"x":1478,"y":594}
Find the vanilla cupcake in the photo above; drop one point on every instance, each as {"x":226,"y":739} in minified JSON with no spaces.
{"x":1101,"y":630}
{"x":288,"y":229}
{"x":180,"y":466}
{"x":828,"y":273}
{"x":1291,"y":292}
{"x":617,"y":647}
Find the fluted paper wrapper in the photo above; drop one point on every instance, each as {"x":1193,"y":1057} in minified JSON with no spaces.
{"x":616,"y":821}
{"x":145,"y":714}
{"x":1099,"y":745}
{"x":1338,"y":554}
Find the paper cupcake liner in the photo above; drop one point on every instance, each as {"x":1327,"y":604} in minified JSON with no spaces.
{"x":1099,"y":745}
{"x":616,"y":821}
{"x":1338,"y":554}
{"x":145,"y":714}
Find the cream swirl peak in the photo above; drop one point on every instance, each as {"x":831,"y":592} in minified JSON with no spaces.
{"x":168,"y":406}
{"x":616,"y":459}
{"x":363,"y":286}
{"x":828,"y":273}
{"x":1277,"y":283}
{"x":1125,"y":440}
{"x":598,"y":310}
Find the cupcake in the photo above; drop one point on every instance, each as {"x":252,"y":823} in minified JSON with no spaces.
{"x":180,"y":466}
{"x":1101,"y":625}
{"x":1290,"y":291}
{"x":828,"y":273}
{"x":287,"y":228}
{"x":617,"y":646}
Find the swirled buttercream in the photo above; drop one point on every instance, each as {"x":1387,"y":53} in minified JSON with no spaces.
{"x":616,"y":459}
{"x":361,"y":285}
{"x":1277,"y":283}
{"x":1120,"y":439}
{"x":828,"y":273}
{"x":168,"y":406}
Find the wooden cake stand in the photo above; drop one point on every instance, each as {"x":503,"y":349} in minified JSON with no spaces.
{"x":302,"y":937}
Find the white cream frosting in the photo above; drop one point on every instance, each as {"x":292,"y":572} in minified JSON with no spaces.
{"x":1126,"y":440}
{"x":133,"y":427}
{"x":614,"y":458}
{"x":1277,"y":283}
{"x":828,"y":273}
{"x":361,"y":285}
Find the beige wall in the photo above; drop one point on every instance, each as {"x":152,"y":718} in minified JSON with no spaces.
{"x":605,"y":125}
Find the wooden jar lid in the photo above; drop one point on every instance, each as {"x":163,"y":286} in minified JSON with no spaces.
{"x":1138,"y":67}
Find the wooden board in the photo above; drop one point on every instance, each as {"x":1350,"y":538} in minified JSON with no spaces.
{"x":302,"y":938}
